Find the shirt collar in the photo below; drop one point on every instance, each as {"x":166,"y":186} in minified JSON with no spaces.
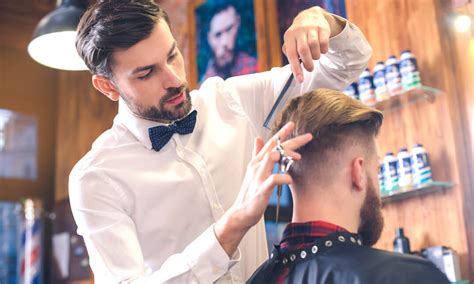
{"x":136,"y":125}
{"x":303,"y":233}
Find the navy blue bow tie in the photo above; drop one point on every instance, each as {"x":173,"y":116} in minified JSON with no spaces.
{"x":160,"y":135}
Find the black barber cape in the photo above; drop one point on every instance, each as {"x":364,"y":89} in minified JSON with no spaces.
{"x":341,"y":258}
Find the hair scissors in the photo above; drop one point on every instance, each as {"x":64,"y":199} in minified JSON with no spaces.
{"x":284,"y":165}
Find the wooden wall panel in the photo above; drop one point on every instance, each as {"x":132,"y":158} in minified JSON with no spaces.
{"x":463,"y":70}
{"x":390,"y":27}
{"x":30,"y":88}
{"x":83,"y":114}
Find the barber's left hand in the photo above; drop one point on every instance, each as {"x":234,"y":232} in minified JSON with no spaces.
{"x":307,"y":38}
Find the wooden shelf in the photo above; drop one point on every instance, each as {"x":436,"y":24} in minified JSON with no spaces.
{"x":408,"y":97}
{"x":405,"y":193}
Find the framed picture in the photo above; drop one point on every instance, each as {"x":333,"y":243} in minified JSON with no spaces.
{"x":227,"y":39}
{"x":288,"y":9}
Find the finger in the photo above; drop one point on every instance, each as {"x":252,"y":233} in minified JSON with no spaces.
{"x":297,"y":142}
{"x":265,"y":167}
{"x":292,"y":55}
{"x":304,"y":52}
{"x":283,"y":49}
{"x":257,"y":146}
{"x":324,"y":35}
{"x":293,"y":154}
{"x":266,"y":188}
{"x":314,"y":44}
{"x":282,"y":133}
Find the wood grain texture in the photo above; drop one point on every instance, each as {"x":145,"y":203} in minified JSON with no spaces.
{"x":30,"y":88}
{"x":83,"y":114}
{"x":390,"y":27}
{"x":463,"y":70}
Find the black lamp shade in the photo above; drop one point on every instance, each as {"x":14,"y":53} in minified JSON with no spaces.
{"x":53,"y":39}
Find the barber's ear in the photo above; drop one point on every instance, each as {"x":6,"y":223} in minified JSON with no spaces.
{"x":357,"y":173}
{"x":106,"y":87}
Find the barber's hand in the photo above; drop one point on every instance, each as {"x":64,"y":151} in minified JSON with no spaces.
{"x":308,"y":37}
{"x":257,"y":188}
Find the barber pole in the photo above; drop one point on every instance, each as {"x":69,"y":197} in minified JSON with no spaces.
{"x":31,"y":244}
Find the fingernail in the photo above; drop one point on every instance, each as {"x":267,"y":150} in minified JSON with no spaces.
{"x":300,"y":78}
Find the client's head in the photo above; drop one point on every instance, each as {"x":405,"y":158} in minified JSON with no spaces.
{"x":336,"y":179}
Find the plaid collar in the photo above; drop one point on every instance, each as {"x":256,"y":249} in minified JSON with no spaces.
{"x":298,"y":235}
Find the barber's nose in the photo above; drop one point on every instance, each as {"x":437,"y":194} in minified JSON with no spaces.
{"x":171,"y":78}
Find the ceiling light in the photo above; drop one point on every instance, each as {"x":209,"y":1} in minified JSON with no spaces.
{"x":53,"y":42}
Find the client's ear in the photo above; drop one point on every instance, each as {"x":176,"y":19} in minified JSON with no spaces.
{"x":357,"y":173}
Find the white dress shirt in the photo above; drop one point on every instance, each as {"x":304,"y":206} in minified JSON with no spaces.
{"x":147,"y":216}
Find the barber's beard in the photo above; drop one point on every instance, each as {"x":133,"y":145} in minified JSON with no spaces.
{"x":371,"y":219}
{"x":162,"y":112}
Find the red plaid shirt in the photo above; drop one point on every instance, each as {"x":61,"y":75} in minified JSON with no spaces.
{"x":244,"y":64}
{"x":299,"y":236}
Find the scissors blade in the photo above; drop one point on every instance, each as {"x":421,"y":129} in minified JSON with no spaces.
{"x":278,"y":203}
{"x":279,"y":103}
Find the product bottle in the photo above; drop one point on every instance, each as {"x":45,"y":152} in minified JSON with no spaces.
{"x":409,"y":70}
{"x":401,"y":243}
{"x":366,"y":88}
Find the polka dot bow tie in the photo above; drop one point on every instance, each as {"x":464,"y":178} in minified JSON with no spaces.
{"x":160,"y":135}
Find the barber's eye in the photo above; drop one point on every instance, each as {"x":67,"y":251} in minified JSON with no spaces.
{"x":146,"y":76}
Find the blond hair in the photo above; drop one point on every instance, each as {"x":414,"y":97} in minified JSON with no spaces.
{"x":336,"y":122}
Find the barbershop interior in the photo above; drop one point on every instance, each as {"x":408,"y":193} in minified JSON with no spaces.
{"x":81,"y":80}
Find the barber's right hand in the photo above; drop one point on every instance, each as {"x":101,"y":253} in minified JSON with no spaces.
{"x":257,"y":187}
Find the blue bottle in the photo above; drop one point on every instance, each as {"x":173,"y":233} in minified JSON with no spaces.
{"x":392,"y":75}
{"x":366,"y":88}
{"x":352,"y":91}
{"x":381,"y":179}
{"x":404,"y":168}
{"x":390,"y":172}
{"x":380,"y":83}
{"x":421,"y":165}
{"x":410,"y":76}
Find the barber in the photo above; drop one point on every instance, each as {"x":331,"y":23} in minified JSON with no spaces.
{"x":161,"y":197}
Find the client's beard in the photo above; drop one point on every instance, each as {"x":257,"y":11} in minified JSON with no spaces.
{"x":371,"y":220}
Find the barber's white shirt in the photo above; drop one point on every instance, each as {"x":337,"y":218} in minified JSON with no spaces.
{"x":147,"y":216}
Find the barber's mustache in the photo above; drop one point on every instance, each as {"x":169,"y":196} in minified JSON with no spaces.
{"x":171,"y":92}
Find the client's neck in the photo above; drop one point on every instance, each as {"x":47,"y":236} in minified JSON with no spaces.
{"x":331,"y":204}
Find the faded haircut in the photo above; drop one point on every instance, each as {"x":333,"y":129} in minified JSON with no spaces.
{"x":336,"y":122}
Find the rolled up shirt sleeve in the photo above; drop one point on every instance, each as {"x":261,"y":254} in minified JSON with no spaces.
{"x":103,"y":219}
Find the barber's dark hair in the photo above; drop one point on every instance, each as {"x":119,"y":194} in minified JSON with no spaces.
{"x":336,"y":121}
{"x":109,"y":25}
